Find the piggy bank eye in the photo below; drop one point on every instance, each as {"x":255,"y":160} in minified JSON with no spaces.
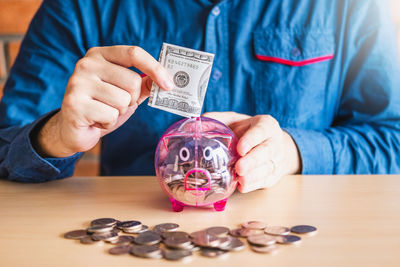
{"x":184,"y":154}
{"x":207,"y":153}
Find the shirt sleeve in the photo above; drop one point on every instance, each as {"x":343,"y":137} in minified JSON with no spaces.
{"x":35,"y":88}
{"x":365,"y":135}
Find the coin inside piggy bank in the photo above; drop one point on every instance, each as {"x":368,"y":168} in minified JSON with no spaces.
{"x":195,"y":161}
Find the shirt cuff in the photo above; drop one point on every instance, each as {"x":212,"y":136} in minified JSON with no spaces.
{"x":315,"y":150}
{"x":26,"y":165}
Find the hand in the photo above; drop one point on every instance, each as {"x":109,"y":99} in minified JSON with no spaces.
{"x":267,"y":153}
{"x":101,"y":95}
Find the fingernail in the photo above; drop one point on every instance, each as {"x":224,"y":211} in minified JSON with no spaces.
{"x":169,"y":85}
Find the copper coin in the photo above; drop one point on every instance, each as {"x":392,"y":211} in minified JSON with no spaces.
{"x":266,"y":249}
{"x":304,"y":229}
{"x":119,"y":250}
{"x":276,"y":230}
{"x":254,"y":225}
{"x":76,"y":234}
{"x":287,"y":239}
{"x":235,"y":232}
{"x":261,"y":240}
{"x":245,"y":232}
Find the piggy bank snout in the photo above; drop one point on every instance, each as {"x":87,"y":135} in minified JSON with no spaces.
{"x":198,"y":179}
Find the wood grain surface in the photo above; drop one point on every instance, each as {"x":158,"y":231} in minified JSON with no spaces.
{"x":358,"y":220}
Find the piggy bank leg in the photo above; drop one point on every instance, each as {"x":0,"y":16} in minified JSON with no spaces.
{"x":176,"y":205}
{"x":220,"y":205}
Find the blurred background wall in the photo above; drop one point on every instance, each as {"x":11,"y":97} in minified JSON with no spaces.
{"x":15,"y":16}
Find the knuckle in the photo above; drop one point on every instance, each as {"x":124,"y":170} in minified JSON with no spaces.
{"x":134,"y":53}
{"x":84,"y":64}
{"x":92,"y":50}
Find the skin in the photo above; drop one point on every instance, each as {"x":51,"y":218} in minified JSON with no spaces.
{"x":103,"y":93}
{"x":267,"y":153}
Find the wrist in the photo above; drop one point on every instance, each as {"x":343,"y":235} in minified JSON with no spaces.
{"x":47,"y":139}
{"x":294,"y":164}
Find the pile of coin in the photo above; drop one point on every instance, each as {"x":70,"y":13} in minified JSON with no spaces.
{"x":165,"y":241}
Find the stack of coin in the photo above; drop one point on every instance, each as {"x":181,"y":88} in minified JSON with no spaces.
{"x":164,"y":241}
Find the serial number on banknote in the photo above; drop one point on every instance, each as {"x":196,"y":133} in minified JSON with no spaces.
{"x":191,"y":71}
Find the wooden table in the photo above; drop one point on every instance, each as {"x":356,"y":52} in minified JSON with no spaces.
{"x":358,"y":218}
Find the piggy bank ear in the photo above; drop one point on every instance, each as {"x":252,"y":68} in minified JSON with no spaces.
{"x":224,"y":139}
{"x":170,"y":140}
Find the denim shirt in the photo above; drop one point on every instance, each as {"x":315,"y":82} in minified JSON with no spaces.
{"x":328,"y":71}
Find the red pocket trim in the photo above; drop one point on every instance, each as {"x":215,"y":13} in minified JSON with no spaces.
{"x":143,"y":75}
{"x":294,"y":63}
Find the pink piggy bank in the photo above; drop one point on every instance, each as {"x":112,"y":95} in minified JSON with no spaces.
{"x":195,"y":161}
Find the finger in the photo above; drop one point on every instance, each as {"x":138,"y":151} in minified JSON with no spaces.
{"x":262,"y":128}
{"x":227,"y":118}
{"x":97,"y":112}
{"x":134,"y":56}
{"x":145,"y":90}
{"x":262,"y":177}
{"x":258,"y":156}
{"x":240,"y":128}
{"x":111,"y":95}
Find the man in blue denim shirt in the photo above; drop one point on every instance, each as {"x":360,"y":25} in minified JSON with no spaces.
{"x":314,"y":86}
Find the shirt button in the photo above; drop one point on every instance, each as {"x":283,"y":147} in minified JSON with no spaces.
{"x":217,"y":75}
{"x":216,"y":11}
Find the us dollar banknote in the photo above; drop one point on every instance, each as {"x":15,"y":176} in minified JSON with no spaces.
{"x":191,"y":71}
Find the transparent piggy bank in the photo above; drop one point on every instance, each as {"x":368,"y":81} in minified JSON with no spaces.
{"x":195,"y":161}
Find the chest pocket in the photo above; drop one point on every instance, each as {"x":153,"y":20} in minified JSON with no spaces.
{"x":292,"y":73}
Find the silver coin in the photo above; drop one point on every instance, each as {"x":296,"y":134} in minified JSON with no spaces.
{"x":119,"y":250}
{"x":276,"y":230}
{"x":146,"y":251}
{"x":178,"y":242}
{"x":206,"y":240}
{"x":287,"y":239}
{"x":148,"y":238}
{"x":217,"y":230}
{"x":100,"y":229}
{"x":75,"y":234}
{"x":174,"y":234}
{"x":254,"y":225}
{"x":261,"y":240}
{"x":87,"y":240}
{"x":211,"y":252}
{"x":141,"y":229}
{"x":122,"y":240}
{"x":104,"y":222}
{"x":267,"y":249}
{"x":175,"y":255}
{"x":303,"y":229}
{"x":104,"y":236}
{"x":165,"y":227}
{"x":234,"y":244}
{"x":129,"y":225}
